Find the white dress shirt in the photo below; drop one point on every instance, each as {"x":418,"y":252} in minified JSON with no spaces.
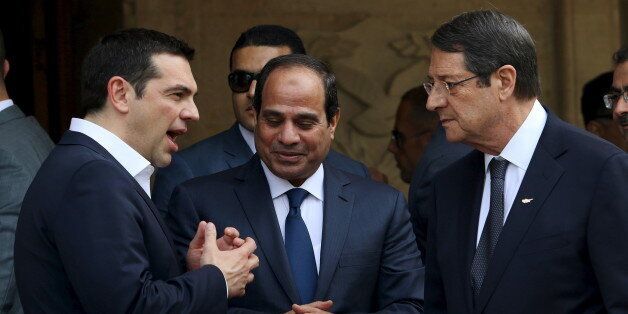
{"x":249,"y":137}
{"x":311,"y":208}
{"x":518,"y":152}
{"x":130,"y":159}
{"x":5,"y":104}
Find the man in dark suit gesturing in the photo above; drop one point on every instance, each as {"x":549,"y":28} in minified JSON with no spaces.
{"x":89,"y":238}
{"x":328,"y":240}
{"x":234,"y":146}
{"x":535,"y":219}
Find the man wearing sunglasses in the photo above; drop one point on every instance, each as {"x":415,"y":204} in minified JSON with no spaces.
{"x":535,"y":219}
{"x":617,"y":99}
{"x":235,"y":146}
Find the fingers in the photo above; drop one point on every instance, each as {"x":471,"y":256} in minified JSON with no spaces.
{"x":322,"y":305}
{"x":249,"y":246}
{"x":199,"y":237}
{"x":210,"y":237}
{"x":232,"y":232}
{"x":253,"y":262}
{"x":249,"y":278}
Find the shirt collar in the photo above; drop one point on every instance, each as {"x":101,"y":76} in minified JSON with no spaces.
{"x":6,"y":104}
{"x":130,"y":159}
{"x":279,"y":186}
{"x":520,"y":148}
{"x":249,"y":138}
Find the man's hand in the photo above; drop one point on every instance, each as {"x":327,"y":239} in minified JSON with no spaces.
{"x":314,"y":307}
{"x":229,"y":241}
{"x":236,"y":264}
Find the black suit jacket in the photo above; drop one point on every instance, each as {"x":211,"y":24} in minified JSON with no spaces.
{"x":438,"y":154}
{"x":369,"y":260}
{"x":220,"y":152}
{"x":89,"y":239}
{"x":564,"y":250}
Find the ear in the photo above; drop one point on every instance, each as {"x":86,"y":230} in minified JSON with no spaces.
{"x":506,"y":79}
{"x":594,"y":127}
{"x":333,"y":123}
{"x":5,"y":68}
{"x":119,"y":92}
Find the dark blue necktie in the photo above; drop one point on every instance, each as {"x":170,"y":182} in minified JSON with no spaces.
{"x":299,"y":248}
{"x":492,"y":226}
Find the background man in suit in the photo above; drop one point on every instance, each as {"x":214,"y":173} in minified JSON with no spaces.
{"x":235,"y":146}
{"x":348,"y":247}
{"x":534,"y":220}
{"x":598,"y":119}
{"x":618,"y":98}
{"x":89,"y":239}
{"x":414,"y":126}
{"x":23,"y":147}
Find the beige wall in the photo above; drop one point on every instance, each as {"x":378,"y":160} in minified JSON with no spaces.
{"x":378,"y":49}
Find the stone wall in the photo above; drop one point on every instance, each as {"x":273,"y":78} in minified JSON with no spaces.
{"x":379,"y":49}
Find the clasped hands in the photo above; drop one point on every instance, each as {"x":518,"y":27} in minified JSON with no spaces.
{"x":230,"y":253}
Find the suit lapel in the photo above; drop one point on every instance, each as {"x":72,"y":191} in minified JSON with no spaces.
{"x":337,"y":210}
{"x":237,"y":152}
{"x":541,"y":176}
{"x":254,"y":196}
{"x":72,"y":137}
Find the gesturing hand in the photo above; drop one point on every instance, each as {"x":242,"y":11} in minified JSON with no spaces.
{"x":235,"y":264}
{"x":314,"y":307}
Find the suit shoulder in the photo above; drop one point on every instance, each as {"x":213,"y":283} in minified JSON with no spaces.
{"x":586,"y":144}
{"x":346,"y":163}
{"x":202,"y":148}
{"x":218,"y":180}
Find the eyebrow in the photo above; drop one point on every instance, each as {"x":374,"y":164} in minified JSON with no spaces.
{"x":179,"y":88}
{"x":302,"y":115}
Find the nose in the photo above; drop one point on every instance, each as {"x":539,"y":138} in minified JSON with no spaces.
{"x":251,"y":92}
{"x":190,"y":112}
{"x":435,"y":100}
{"x":288,"y":135}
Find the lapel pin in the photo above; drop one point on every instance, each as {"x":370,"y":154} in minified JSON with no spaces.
{"x":526,"y":200}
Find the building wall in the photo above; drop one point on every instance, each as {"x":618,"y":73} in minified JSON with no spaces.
{"x":378,"y":50}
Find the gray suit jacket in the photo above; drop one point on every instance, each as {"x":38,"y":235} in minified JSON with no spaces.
{"x":220,"y":152}
{"x":23,"y":147}
{"x":437,"y":156}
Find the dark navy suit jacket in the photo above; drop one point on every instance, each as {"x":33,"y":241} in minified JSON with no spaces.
{"x":563,"y":248}
{"x":369,"y":259}
{"x":220,"y":152}
{"x":439,"y":153}
{"x":89,"y":239}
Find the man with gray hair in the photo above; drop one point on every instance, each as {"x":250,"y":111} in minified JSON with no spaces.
{"x":533,"y":220}
{"x":23,"y":147}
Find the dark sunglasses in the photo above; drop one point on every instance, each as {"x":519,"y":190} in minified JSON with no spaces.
{"x":240,"y":81}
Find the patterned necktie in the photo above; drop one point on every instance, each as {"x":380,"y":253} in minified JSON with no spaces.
{"x":299,"y":248}
{"x":492,"y":226}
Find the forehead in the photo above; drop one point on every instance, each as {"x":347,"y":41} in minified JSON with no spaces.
{"x":620,"y":75}
{"x":446,"y":64}
{"x":292,"y":88}
{"x":253,"y":58}
{"x":173,"y":70}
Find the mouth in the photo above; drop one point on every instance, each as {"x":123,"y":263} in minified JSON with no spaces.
{"x":172,"y":137}
{"x":288,"y":156}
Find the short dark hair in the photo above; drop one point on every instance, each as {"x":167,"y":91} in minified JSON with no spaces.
{"x":489,"y":40}
{"x":126,"y":53}
{"x":300,"y":60}
{"x":592,"y":100}
{"x":417,"y":98}
{"x":621,"y":55}
{"x":268,"y":35}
